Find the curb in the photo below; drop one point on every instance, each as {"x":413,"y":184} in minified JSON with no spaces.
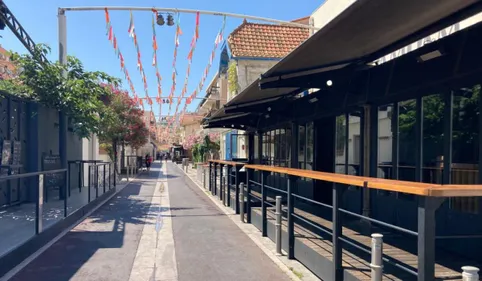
{"x":35,"y":255}
{"x":253,"y":234}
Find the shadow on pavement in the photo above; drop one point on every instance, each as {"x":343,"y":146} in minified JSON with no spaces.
{"x":104,"y":229}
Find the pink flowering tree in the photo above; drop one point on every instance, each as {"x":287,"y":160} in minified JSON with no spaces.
{"x":190,"y":141}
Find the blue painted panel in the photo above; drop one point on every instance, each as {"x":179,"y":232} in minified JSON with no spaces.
{"x":234,"y":144}
{"x":227,"y":141}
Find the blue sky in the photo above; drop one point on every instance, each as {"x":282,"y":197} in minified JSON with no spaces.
{"x":87,"y":40}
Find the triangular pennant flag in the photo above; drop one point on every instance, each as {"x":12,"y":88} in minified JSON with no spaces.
{"x":107,"y":18}
{"x":197,"y":25}
{"x":110,"y":33}
{"x":131,"y":26}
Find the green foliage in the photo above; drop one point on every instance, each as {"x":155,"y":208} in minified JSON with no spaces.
{"x":68,"y":88}
{"x":233,"y":77}
{"x":465,"y":122}
{"x":209,"y":145}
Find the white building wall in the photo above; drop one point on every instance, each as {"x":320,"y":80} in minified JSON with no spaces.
{"x":328,"y":11}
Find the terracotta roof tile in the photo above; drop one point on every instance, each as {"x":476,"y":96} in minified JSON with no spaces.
{"x":265,"y":40}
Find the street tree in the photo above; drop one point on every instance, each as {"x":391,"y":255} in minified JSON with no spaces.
{"x":66,"y":87}
{"x":123,"y":122}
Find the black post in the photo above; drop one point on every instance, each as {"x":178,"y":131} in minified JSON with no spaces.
{"x":248,"y":195}
{"x":426,"y":237}
{"x":66,"y":189}
{"x":264,"y":219}
{"x":96,"y":181}
{"x":210,"y":177}
{"x":220,"y":181}
{"x":68,"y":173}
{"x":110,"y":171}
{"x":80,"y":175}
{"x":215,"y":179}
{"x":289,"y":217}
{"x":337,"y":232}
{"x":236,"y":189}
{"x":103,"y":169}
{"x":39,"y":204}
{"x":229,"y":185}
{"x":88,"y":184}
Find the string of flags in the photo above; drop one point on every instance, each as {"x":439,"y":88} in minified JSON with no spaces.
{"x":217,"y":41}
{"x":174,"y":71}
{"x":132,"y":33}
{"x":188,"y":71}
{"x":176,"y":115}
{"x":154,"y":60}
{"x":113,"y":40}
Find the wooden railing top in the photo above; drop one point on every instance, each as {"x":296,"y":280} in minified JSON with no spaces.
{"x":230,"y":163}
{"x":416,"y":188}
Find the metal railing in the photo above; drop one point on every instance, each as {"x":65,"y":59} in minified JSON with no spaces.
{"x":425,"y":236}
{"x":40,"y":191}
{"x":51,"y":196}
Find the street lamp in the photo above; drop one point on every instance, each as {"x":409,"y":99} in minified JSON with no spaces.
{"x":160,"y":20}
{"x":170,"y":20}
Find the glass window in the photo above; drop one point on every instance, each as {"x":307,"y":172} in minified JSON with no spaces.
{"x":354,"y":151}
{"x":256,"y":149}
{"x":309,"y":146}
{"x":302,"y":147}
{"x":433,"y":136}
{"x":385,"y":140}
{"x":406,"y":140}
{"x":465,"y":145}
{"x":340,"y":144}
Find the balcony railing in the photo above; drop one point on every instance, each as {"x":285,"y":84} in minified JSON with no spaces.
{"x":305,"y":217}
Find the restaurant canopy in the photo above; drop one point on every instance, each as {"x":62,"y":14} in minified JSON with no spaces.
{"x":362,"y":33}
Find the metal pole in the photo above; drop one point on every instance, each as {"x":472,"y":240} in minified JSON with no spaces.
{"x":128,"y":170}
{"x":110,"y":172}
{"x":264,"y":218}
{"x":62,"y":117}
{"x":241,"y":201}
{"x":289,"y":217}
{"x":188,"y":11}
{"x":103,"y":169}
{"x":96,"y":181}
{"x":278,"y":225}
{"x":39,"y":205}
{"x":230,"y":184}
{"x":470,"y":273}
{"x":88,"y":184}
{"x":66,"y":186}
{"x":236,"y":189}
{"x":377,"y":252}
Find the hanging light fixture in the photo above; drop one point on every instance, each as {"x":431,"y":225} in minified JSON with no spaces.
{"x":160,"y":20}
{"x":170,"y":20}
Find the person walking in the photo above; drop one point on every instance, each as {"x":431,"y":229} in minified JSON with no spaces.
{"x":148,"y":162}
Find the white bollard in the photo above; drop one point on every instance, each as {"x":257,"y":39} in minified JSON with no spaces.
{"x":470,"y":273}
{"x":278,"y":225}
{"x":241,"y":201}
{"x":377,"y":252}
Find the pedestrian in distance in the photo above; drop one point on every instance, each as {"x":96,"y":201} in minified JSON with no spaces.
{"x":148,"y":162}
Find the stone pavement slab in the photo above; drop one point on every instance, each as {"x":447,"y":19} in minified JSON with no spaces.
{"x":209,"y":246}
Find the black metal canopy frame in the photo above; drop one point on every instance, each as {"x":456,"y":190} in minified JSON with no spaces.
{"x":343,"y":52}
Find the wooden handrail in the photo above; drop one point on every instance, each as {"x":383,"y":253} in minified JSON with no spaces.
{"x":229,"y":163}
{"x":416,"y":188}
